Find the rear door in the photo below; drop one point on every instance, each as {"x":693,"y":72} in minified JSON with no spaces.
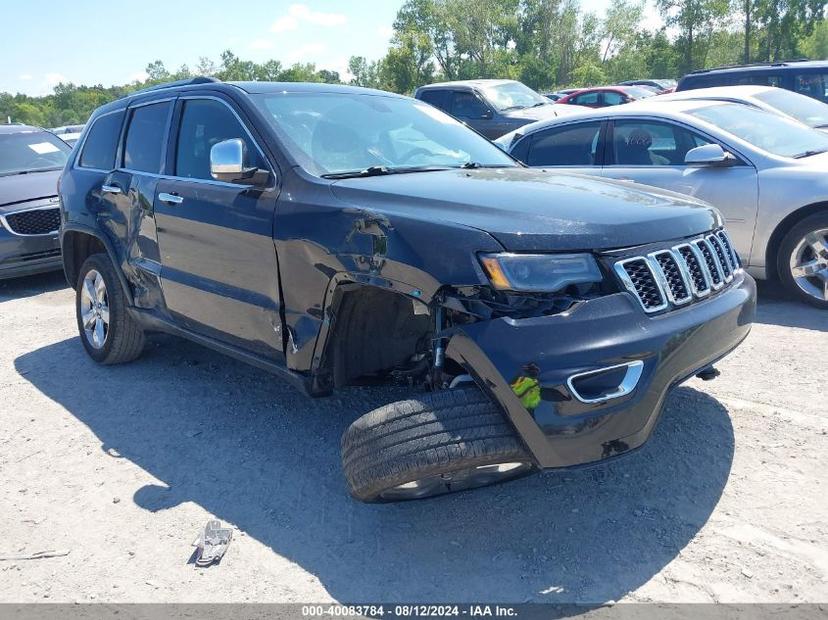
{"x":652,"y":152}
{"x":218,"y":260}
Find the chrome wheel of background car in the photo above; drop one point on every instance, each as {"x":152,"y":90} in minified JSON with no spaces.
{"x":809,"y":264}
{"x":94,"y":307}
{"x":460,"y":480}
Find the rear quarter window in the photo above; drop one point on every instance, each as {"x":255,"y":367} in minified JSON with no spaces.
{"x":102,"y":142}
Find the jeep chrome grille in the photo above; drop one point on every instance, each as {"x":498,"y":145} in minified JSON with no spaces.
{"x":676,"y":276}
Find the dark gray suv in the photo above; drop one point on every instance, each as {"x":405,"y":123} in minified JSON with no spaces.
{"x":492,"y":107}
{"x":337,"y":236}
{"x":30,"y":162}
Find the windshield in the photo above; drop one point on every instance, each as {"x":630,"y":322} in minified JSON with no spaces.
{"x":28,"y":151}
{"x":804,"y":109}
{"x":639,"y":92}
{"x":512,"y":96}
{"x":772,"y":133}
{"x":336,"y":133}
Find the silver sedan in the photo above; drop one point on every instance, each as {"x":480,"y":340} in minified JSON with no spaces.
{"x":766,"y":173}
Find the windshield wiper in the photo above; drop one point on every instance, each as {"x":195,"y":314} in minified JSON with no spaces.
{"x":376,"y":171}
{"x":513,"y":107}
{"x":809,"y":153}
{"x":540,"y":103}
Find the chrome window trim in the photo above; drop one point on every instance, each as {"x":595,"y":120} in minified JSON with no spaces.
{"x":630,"y":381}
{"x":702,"y":266}
{"x":54,"y":205}
{"x":665,"y":283}
{"x":621,"y":272}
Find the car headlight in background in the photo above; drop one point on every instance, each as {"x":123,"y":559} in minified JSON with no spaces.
{"x":540,"y":272}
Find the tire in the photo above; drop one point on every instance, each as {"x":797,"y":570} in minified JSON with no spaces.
{"x":123,"y":338}
{"x":795,"y":250}
{"x":440,"y":443}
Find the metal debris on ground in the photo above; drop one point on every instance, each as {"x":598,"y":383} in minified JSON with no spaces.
{"x":211,"y":543}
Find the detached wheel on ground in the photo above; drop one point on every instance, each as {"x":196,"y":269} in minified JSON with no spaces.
{"x":108,"y":333}
{"x":803,"y":260}
{"x":440,"y":443}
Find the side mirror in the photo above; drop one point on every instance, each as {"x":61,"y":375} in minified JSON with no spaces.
{"x":709,"y":155}
{"x":227,"y":164}
{"x":487,"y":115}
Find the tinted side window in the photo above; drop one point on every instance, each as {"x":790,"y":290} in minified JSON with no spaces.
{"x":102,"y":142}
{"x":812,"y":85}
{"x":144,"y":148}
{"x":204,"y":123}
{"x":759,"y":79}
{"x":467,"y":105}
{"x":586,"y":99}
{"x":437,"y":98}
{"x":652,"y":144}
{"x":611,"y":98}
{"x":569,"y":146}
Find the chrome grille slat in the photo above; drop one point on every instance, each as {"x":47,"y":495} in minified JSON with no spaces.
{"x":673,"y":277}
{"x":724,"y":261}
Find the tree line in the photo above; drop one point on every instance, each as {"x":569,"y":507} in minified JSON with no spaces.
{"x":546,"y":44}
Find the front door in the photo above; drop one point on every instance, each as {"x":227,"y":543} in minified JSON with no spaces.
{"x":652,"y":153}
{"x":219,"y":272}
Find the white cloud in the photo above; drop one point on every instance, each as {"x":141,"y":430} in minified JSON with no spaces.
{"x":306,"y":53}
{"x":300,"y":13}
{"x":139,"y":76}
{"x":26,"y":77}
{"x":53,"y":79}
{"x":260,"y":44}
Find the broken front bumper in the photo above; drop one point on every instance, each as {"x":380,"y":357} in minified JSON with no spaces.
{"x":553,"y":374}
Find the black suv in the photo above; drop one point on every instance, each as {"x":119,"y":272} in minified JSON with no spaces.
{"x":336,"y":235}
{"x":30,"y":162}
{"x":807,"y":77}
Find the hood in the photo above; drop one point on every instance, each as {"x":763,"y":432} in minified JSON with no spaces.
{"x":527,"y":209}
{"x":16,"y":188}
{"x":544,"y":112}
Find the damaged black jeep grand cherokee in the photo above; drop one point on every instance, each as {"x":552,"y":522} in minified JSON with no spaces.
{"x":336,"y":235}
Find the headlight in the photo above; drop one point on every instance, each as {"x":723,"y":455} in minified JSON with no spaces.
{"x":539,"y":272}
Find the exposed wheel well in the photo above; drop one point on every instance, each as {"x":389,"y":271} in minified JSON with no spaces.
{"x":374,"y":331}
{"x":781,"y":230}
{"x":77,"y":247}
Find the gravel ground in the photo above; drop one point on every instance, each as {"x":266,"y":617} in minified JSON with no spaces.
{"x":121,"y":466}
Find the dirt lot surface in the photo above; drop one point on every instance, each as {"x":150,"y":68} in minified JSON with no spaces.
{"x":121,"y":466}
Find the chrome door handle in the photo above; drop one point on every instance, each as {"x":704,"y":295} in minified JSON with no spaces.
{"x":110,"y":189}
{"x":170,"y":199}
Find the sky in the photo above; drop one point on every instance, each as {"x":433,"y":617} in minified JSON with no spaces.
{"x":105,"y":42}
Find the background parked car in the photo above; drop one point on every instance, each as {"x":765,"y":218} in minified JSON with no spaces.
{"x":766,"y":173}
{"x":70,"y":134}
{"x":807,"y":77}
{"x":492,"y":107}
{"x":804,"y":109}
{"x":30,"y":164}
{"x":560,"y":94}
{"x":605,"y":96}
{"x":660,"y":86}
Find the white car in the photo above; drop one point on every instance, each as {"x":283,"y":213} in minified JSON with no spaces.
{"x":804,"y":109}
{"x":767,"y":174}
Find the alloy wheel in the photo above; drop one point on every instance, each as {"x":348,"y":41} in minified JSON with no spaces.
{"x":809,"y":264}
{"x":94,"y":307}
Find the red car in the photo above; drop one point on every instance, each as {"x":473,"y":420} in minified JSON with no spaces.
{"x":603,"y":96}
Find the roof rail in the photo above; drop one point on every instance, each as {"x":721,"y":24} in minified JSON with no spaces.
{"x":200,"y":79}
{"x":776,"y":63}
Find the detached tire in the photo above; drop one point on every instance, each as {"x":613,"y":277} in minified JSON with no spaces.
{"x":440,"y":443}
{"x":108,"y":332}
